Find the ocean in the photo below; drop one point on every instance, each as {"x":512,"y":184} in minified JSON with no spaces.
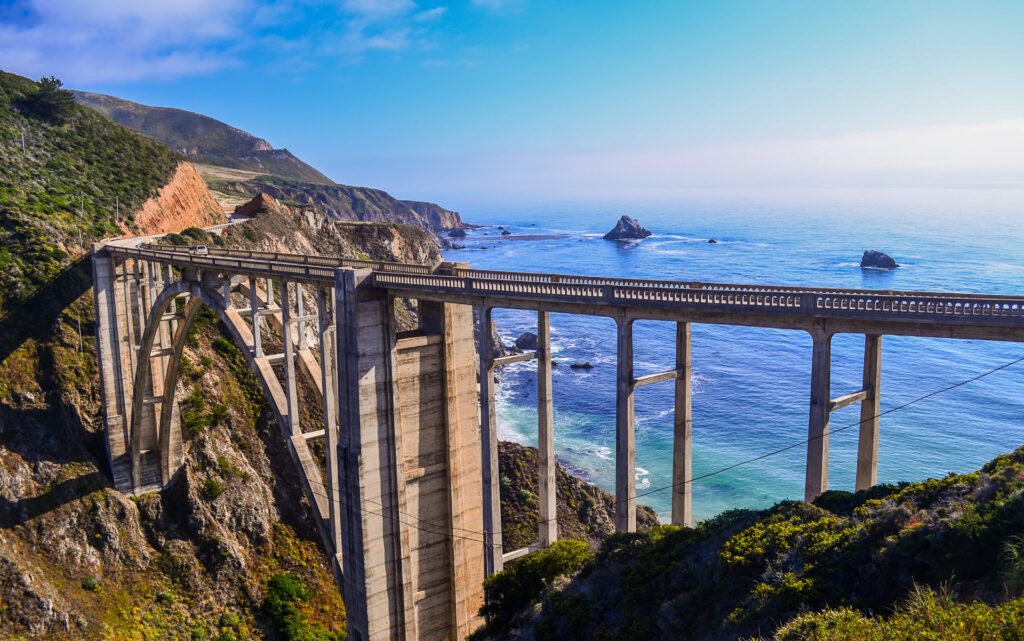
{"x":751,"y":386}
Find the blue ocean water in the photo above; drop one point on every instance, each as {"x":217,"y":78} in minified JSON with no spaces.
{"x":751,"y":385}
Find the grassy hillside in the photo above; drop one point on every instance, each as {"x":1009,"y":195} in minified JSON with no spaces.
{"x":940,"y":559}
{"x":81,"y":157}
{"x":203,"y":139}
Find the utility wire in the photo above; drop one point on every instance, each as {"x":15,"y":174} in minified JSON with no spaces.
{"x":718,"y":471}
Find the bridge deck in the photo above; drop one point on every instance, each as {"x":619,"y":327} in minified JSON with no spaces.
{"x":953,"y":315}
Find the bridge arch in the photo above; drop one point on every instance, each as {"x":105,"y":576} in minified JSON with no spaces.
{"x":167,"y":429}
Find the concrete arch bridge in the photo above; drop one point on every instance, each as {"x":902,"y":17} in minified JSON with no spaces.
{"x":407,"y":500}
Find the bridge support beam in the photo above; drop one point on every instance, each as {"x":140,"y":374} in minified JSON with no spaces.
{"x":870,"y":407}
{"x":682,"y":443}
{"x":489,"y":451}
{"x":546,"y":481}
{"x":114,"y":381}
{"x":625,"y":433}
{"x":816,"y":480}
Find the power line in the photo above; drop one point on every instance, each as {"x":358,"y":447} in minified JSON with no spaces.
{"x":720,"y":470}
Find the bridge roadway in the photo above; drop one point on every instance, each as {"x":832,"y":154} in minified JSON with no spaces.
{"x":908,"y":313}
{"x":362,"y":304}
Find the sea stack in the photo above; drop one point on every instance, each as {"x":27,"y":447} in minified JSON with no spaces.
{"x":527,"y":341}
{"x":628,"y":229}
{"x":878,"y":260}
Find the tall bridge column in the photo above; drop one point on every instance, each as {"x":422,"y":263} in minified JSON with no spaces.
{"x":867,"y":446}
{"x":818,"y":424}
{"x":625,"y":433}
{"x":493,"y":561}
{"x":682,"y":442}
{"x":410,"y":467}
{"x":115,"y":382}
{"x":546,"y":481}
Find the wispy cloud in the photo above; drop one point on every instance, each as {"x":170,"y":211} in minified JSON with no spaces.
{"x":130,"y":40}
{"x":430,"y":15}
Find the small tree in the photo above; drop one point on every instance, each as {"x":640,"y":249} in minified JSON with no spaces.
{"x":51,"y":101}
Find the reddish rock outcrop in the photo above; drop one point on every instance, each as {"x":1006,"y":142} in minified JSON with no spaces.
{"x":183,"y":202}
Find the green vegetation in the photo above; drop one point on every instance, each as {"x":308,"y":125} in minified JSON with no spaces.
{"x":193,"y":236}
{"x":63,"y":168}
{"x":506,"y":593}
{"x":213,"y":487}
{"x":285,"y":594}
{"x":204,"y":139}
{"x":51,"y":101}
{"x":925,"y":616}
{"x":846,"y":566}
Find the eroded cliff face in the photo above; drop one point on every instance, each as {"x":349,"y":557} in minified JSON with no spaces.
{"x":281,"y":228}
{"x":345,"y":202}
{"x":183,"y":202}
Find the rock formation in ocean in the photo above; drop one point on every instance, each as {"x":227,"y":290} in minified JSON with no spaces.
{"x":877,"y":259}
{"x":527,"y":341}
{"x":627,"y":229}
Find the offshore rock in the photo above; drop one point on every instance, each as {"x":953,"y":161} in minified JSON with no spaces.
{"x":527,"y":341}
{"x":878,"y":260}
{"x":628,"y":229}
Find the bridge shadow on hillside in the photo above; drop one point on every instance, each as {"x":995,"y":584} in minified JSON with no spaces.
{"x":47,"y":429}
{"x":35,"y":315}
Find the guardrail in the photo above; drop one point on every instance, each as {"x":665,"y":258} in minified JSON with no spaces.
{"x":801,"y":301}
{"x":325,"y":261}
{"x":905,"y":306}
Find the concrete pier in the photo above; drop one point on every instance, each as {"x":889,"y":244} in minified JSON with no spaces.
{"x":546,"y":485}
{"x":625,"y":430}
{"x":818,"y":424}
{"x":682,"y":438}
{"x":870,"y":407}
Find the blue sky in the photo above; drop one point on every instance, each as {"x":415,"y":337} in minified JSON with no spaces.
{"x":523,"y":98}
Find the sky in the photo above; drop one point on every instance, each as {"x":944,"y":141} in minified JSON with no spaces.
{"x":573,"y":99}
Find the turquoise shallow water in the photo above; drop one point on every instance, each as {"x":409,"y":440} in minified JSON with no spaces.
{"x":751,"y":385}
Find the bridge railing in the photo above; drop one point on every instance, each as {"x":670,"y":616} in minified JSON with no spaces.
{"x":904,"y":306}
{"x":539,"y":277}
{"x":238,"y":265}
{"x":326,"y":261}
{"x":909,"y":306}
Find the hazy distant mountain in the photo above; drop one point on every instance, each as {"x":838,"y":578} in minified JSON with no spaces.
{"x":203,"y":139}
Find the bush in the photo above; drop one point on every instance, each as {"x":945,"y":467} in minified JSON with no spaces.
{"x":523,"y":581}
{"x":285,"y":593}
{"x":50,"y":101}
{"x":925,"y":616}
{"x":213,"y":487}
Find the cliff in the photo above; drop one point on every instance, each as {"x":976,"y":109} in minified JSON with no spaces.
{"x":436,"y":216}
{"x":585,"y":512}
{"x":345,"y":202}
{"x":183,"y":202}
{"x":278,"y":227}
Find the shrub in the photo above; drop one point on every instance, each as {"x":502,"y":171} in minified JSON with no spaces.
{"x":285,"y":593}
{"x":50,"y":101}
{"x":213,"y":487}
{"x":522,"y":582}
{"x":924,"y":616}
{"x":1013,"y":563}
